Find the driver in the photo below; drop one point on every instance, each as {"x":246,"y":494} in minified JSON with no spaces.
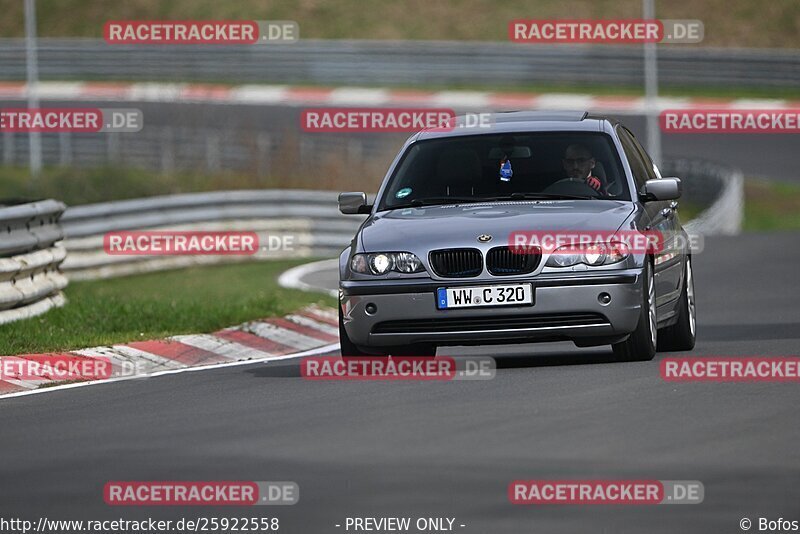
{"x":578,"y":164}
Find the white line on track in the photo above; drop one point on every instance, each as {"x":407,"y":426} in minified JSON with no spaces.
{"x":293,"y":277}
{"x":312,"y":323}
{"x":221,"y":347}
{"x":280,"y":335}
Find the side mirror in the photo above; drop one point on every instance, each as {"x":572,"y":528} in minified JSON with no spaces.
{"x":662,"y":189}
{"x":354,"y":203}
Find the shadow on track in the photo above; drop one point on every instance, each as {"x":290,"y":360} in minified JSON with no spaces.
{"x":520,"y":360}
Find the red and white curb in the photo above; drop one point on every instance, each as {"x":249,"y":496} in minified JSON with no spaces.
{"x":288,"y":95}
{"x":312,"y":330}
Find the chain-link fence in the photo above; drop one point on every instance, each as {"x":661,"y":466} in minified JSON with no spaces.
{"x":383,"y":63}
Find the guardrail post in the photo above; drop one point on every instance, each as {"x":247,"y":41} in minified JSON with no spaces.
{"x":355,"y":151}
{"x":212,"y":151}
{"x":306,"y":148}
{"x":112,"y":147}
{"x":167,"y":150}
{"x":8,"y":148}
{"x":264,"y":150}
{"x":64,"y":149}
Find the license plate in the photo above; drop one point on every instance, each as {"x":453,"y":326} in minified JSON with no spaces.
{"x":479,"y":296}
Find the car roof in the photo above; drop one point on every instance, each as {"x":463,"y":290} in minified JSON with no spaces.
{"x":528,"y":121}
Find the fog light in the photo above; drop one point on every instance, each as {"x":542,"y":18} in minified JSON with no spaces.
{"x":371,"y":308}
{"x":604,"y":298}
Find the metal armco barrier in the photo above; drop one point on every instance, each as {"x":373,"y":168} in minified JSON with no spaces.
{"x":310,"y":218}
{"x":719,"y":187}
{"x":31,"y":251}
{"x":30,"y":255}
{"x":403,"y":62}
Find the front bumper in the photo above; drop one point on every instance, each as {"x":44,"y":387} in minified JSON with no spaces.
{"x":566,"y":307}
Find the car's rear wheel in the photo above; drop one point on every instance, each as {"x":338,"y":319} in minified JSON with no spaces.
{"x":641,"y":344}
{"x":683,"y":334}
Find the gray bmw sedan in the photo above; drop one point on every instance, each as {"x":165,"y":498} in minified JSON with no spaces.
{"x":542,"y":226}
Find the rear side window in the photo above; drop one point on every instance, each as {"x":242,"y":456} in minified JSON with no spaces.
{"x":638,"y":165}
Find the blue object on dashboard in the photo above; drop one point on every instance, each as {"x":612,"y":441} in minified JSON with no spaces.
{"x":506,"y":172}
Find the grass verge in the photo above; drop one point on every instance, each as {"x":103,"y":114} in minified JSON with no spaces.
{"x":771,"y":206}
{"x":152,"y":306}
{"x":89,"y":185}
{"x":727,"y":22}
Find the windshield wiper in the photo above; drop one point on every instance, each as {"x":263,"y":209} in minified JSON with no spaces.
{"x":434,"y":201}
{"x":541,"y":196}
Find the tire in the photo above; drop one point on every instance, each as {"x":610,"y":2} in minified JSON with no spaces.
{"x":641,"y":344}
{"x":683,"y":334}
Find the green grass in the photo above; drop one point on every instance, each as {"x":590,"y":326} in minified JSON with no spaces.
{"x":771,"y":206}
{"x":712,"y":92}
{"x":86,"y":186}
{"x":689,"y":210}
{"x":752,"y":23}
{"x":152,"y":306}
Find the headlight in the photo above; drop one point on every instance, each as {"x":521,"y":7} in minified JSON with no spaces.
{"x":380,"y":263}
{"x":593,"y":255}
{"x":384,"y":262}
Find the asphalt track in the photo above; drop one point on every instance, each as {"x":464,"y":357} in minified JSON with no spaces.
{"x":757,"y":155}
{"x":448,"y":449}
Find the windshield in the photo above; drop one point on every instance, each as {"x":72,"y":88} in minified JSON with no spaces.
{"x":519,"y":166}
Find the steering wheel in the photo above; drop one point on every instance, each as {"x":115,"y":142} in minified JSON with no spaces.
{"x":571,"y":186}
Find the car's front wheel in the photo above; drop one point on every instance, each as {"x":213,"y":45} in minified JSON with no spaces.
{"x":641,"y":344}
{"x":683,"y":334}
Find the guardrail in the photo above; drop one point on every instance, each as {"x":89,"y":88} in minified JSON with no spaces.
{"x":31,"y":250}
{"x":310,"y":218}
{"x":404,"y":62}
{"x":719,"y":187}
{"x":237,"y":146}
{"x":30,"y":255}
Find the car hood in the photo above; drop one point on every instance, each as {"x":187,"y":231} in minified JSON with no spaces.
{"x":459,"y":225}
